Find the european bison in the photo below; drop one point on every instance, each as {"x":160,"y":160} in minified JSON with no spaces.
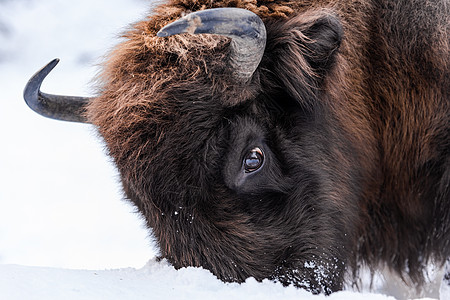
{"x":290,"y":140}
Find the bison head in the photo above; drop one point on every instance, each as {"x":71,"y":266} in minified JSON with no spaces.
{"x":231,"y":150}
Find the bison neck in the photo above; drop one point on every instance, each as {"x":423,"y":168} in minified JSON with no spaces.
{"x":409,"y":95}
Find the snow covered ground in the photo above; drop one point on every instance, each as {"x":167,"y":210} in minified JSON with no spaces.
{"x":154,"y":281}
{"x":61,"y":208}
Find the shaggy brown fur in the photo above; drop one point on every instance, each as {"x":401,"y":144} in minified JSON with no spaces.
{"x":351,"y":101}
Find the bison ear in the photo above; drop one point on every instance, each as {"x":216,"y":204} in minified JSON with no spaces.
{"x":323,"y":38}
{"x":302,"y":51}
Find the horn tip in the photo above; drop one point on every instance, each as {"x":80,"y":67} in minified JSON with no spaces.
{"x":53,"y":63}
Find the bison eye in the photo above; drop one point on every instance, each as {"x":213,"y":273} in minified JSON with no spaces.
{"x":253,"y":160}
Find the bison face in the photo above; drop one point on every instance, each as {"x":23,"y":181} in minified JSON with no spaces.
{"x":238,"y":176}
{"x":242,"y":191}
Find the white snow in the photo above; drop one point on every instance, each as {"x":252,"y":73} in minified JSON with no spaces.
{"x":157,"y":280}
{"x":62,"y":212}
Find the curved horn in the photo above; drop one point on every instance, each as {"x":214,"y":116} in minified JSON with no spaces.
{"x":66,"y":108}
{"x":246,"y":30}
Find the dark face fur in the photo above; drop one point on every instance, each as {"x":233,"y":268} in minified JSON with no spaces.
{"x":239,"y":192}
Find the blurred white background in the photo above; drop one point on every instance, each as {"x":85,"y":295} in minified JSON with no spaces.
{"x":61,"y":203}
